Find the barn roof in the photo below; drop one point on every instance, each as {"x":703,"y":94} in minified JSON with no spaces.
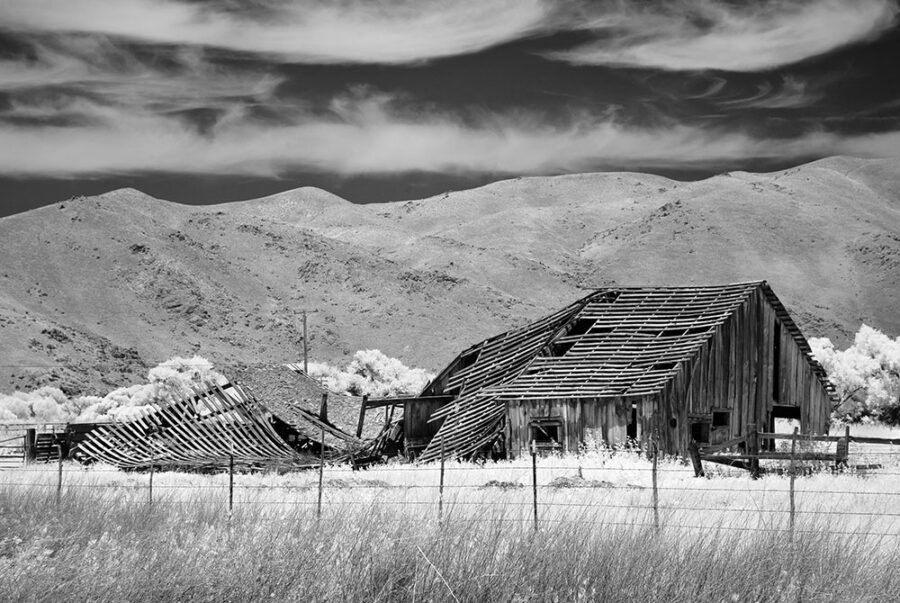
{"x":624,"y":341}
{"x":294,"y":397}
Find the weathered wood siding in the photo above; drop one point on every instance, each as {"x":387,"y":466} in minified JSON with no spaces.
{"x":416,"y":428}
{"x":735,"y":371}
{"x":601,"y":420}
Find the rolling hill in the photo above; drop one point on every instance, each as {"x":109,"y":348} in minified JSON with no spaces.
{"x":93,"y":290}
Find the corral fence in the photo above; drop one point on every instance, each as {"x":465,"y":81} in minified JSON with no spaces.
{"x":618,"y":487}
{"x":747,"y":451}
{"x":22,"y":443}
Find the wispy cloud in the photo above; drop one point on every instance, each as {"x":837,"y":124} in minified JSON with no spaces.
{"x":169,"y":80}
{"x":683,"y":35}
{"x":790,"y":93}
{"x":306,"y":31}
{"x":366,"y":136}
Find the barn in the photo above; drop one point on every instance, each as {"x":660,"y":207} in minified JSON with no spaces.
{"x":703,"y":363}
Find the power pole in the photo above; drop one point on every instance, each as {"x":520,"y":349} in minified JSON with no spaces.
{"x":305,"y":346}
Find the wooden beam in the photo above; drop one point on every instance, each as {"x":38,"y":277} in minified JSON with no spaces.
{"x":362,"y":415}
{"x":381,"y":402}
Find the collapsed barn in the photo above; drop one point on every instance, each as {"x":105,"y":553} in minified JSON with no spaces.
{"x":675,"y":364}
{"x":263,"y":419}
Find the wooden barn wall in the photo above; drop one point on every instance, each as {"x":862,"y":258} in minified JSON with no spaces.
{"x":734,"y":372}
{"x":799,"y":386}
{"x":416,"y":429}
{"x":582,"y":420}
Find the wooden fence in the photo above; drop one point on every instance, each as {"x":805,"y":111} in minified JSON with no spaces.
{"x":746,"y":452}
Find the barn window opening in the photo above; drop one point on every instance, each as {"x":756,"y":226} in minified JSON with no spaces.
{"x":776,"y":363}
{"x":700,"y":432}
{"x":546,"y":432}
{"x":721,"y":418}
{"x":664,"y":366}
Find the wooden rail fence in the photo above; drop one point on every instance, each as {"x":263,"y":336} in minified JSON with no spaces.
{"x":747,"y":451}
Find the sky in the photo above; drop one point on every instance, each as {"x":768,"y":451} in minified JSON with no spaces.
{"x":206,"y":101}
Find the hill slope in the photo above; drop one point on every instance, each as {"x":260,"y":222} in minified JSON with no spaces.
{"x":95,"y":289}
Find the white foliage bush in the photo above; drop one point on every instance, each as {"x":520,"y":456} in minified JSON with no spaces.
{"x":866,"y":375}
{"x":372,"y":373}
{"x":168,"y":381}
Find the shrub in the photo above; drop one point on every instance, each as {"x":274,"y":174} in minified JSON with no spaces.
{"x":373,"y":373}
{"x":169,"y":380}
{"x":866,"y":376}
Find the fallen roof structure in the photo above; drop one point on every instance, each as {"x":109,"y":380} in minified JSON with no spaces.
{"x":631,"y":359}
{"x":203,"y":431}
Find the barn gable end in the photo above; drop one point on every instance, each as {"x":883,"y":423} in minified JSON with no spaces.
{"x":622,"y":363}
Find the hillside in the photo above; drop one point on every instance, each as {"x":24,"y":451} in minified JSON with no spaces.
{"x":94,"y":289}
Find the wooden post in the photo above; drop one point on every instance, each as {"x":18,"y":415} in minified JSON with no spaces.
{"x":230,"y":482}
{"x":534,"y":481}
{"x":362,"y":415}
{"x":655,"y":446}
{"x":441,"y":487}
{"x":791,"y":470}
{"x":59,"y":474}
{"x":151,"y":482}
{"x":696,"y":461}
{"x":305,"y":348}
{"x":321,"y":474}
{"x":30,"y":450}
{"x":842,"y":451}
{"x":753,"y":449}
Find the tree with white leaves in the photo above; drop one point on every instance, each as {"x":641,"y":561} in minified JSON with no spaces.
{"x":866,"y":375}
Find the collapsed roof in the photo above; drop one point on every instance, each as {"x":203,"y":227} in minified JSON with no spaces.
{"x":624,"y":341}
{"x":210,"y":429}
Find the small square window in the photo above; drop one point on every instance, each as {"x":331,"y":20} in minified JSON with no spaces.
{"x":721,"y":418}
{"x":546,"y":434}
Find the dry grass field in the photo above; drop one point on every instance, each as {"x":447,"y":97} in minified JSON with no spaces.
{"x":380,"y":536}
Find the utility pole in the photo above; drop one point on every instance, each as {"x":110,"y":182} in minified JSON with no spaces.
{"x":305,"y":346}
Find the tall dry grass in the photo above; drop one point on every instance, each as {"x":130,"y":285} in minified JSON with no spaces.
{"x":379,"y":538}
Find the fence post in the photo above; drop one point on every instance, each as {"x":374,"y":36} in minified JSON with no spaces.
{"x":842,"y":451}
{"x":151,"y":481}
{"x":29,"y":445}
{"x":321,"y":473}
{"x":696,"y":461}
{"x":230,"y":483}
{"x":534,"y":481}
{"x":59,"y":474}
{"x":753,"y":449}
{"x":793,"y":452}
{"x":655,"y":445}
{"x":441,"y":486}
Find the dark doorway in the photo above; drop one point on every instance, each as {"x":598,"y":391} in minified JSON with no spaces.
{"x":632,"y":430}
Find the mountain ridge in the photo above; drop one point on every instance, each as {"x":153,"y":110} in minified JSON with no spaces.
{"x":127,"y":280}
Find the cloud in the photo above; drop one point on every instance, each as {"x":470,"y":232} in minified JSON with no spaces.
{"x":304,"y":31}
{"x":792,"y":93}
{"x":365,"y":135}
{"x":172,"y":79}
{"x":684,"y":35}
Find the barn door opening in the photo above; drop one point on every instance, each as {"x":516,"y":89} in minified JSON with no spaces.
{"x":631,"y":431}
{"x":783,"y":419}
